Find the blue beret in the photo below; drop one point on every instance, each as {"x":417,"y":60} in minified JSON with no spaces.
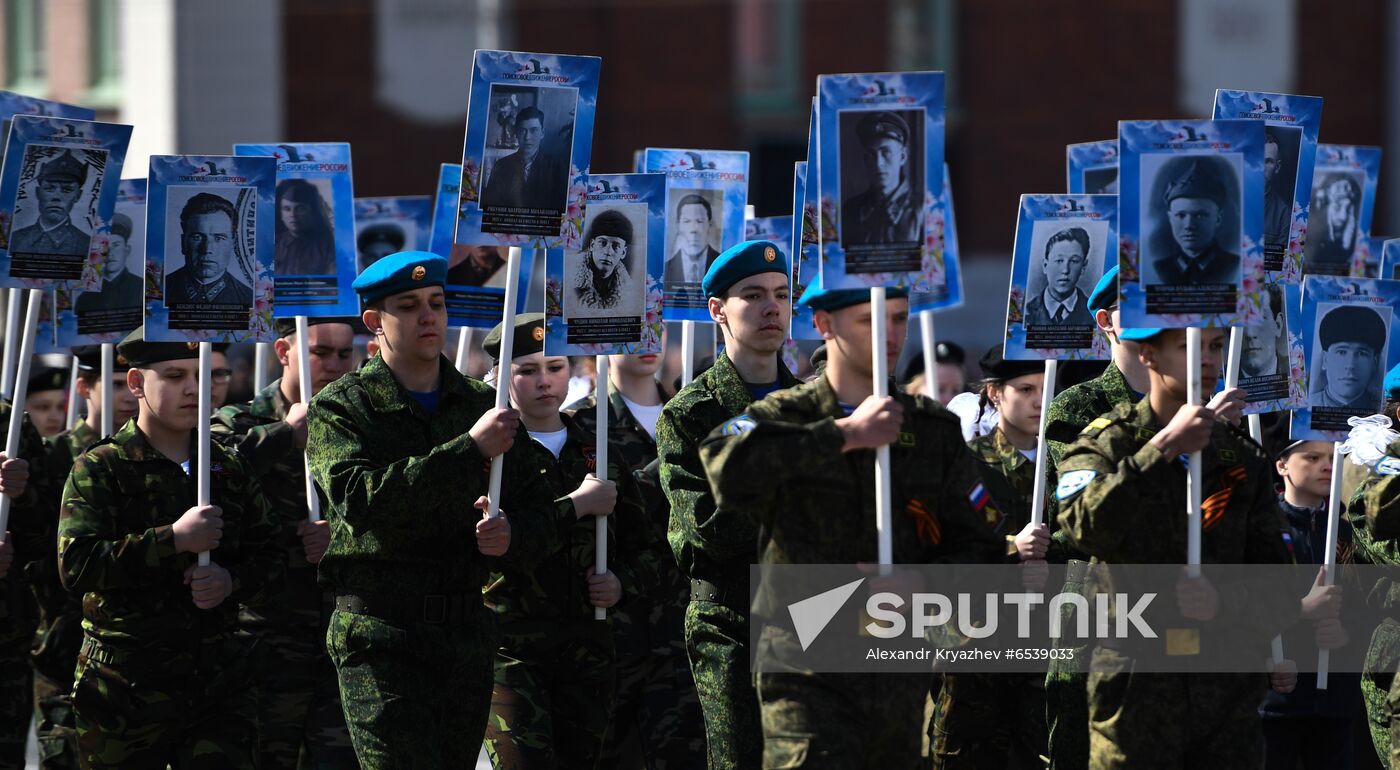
{"x":1392,"y":384}
{"x":1139,"y":335}
{"x":818,"y":297}
{"x":1105,"y":291}
{"x":741,"y":261}
{"x":400,"y":272}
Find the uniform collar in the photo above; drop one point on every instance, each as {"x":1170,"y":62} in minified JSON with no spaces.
{"x":269,"y":402}
{"x":1009,"y":454}
{"x":387,"y":395}
{"x":729,"y":388}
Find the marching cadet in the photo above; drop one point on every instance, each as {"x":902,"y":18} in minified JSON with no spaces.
{"x":60,"y":634}
{"x":401,"y":448}
{"x":556,"y":668}
{"x":656,"y":705}
{"x":1122,"y":487}
{"x":998,"y":719}
{"x":813,"y":448}
{"x":300,"y":722}
{"x":161,"y":677}
{"x":748,"y":293}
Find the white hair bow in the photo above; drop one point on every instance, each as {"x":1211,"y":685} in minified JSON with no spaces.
{"x":1368,"y":440}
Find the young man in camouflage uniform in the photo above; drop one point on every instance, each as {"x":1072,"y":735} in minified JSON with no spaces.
{"x":747,"y":287}
{"x":300,"y":722}
{"x":1122,"y":488}
{"x":60,"y":633}
{"x":162,"y":678}
{"x":656,"y":715}
{"x":813,"y":448}
{"x":401,"y":448}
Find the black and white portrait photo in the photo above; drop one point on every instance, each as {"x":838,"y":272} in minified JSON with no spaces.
{"x":1191,"y":210}
{"x":305,"y":232}
{"x":1280,"y":177}
{"x":123,"y":284}
{"x":1264,"y":369}
{"x":881,"y":182}
{"x":204,"y":273}
{"x":1101,"y":181}
{"x":694,"y":219}
{"x":469,"y":265}
{"x":55,"y":209}
{"x":377,"y":240}
{"x":525,"y":163}
{"x":607,"y":277}
{"x":1334,"y":220}
{"x":1065,"y":261}
{"x":1349,"y":355}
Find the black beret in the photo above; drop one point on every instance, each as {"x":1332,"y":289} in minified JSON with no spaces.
{"x":1351,"y":323}
{"x":44,"y":378}
{"x":995,"y":368}
{"x":138,"y":352}
{"x":529,"y":337}
{"x":90,"y":359}
{"x":949,"y":353}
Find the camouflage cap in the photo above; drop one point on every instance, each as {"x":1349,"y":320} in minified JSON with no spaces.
{"x":138,"y":352}
{"x":529,"y":337}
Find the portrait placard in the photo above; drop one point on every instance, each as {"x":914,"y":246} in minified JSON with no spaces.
{"x":1290,"y":148}
{"x":706,"y":191}
{"x":1348,"y":325}
{"x":1344,"y":199}
{"x":1064,"y":243}
{"x":1092,"y":167}
{"x":12,"y":104}
{"x":107,"y":314}
{"x":209,"y":248}
{"x":940,"y":288}
{"x":806,"y":258}
{"x":57,"y":192}
{"x":476,"y":275}
{"x":606,"y":298}
{"x":387,"y":225}
{"x":1390,"y":259}
{"x":1190,"y":220}
{"x":1272,"y":355}
{"x":880,"y":142}
{"x":529,"y":136}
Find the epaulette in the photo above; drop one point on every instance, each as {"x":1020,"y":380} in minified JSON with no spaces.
{"x":1119,"y":415}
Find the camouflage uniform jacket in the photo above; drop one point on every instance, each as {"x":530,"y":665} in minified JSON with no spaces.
{"x":557,"y":589}
{"x":60,"y":632}
{"x":1010,"y":477}
{"x":709,"y":543}
{"x":400,"y":485}
{"x":1073,"y":409}
{"x":116,"y":546}
{"x":780,"y":465}
{"x":257,"y":431}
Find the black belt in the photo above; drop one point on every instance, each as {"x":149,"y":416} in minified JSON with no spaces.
{"x":434,"y":609}
{"x":705,"y":591}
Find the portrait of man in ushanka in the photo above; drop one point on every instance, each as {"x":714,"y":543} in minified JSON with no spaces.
{"x":1334,"y":225}
{"x":1194,"y":203}
{"x":887,"y":211}
{"x":1063,"y":302}
{"x":305,"y":237}
{"x":58,"y":186}
{"x":602,"y":279}
{"x":208,"y":226}
{"x":1351,"y":340}
{"x":120,"y":287}
{"x":693,"y":253}
{"x":532,"y":177}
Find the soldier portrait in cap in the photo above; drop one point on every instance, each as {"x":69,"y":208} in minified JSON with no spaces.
{"x":881,"y":180}
{"x":204,"y":271}
{"x":525,"y":167}
{"x":56,"y":204}
{"x":376,"y":241}
{"x":1334,"y":222}
{"x":606,"y":277}
{"x":1191,"y":207}
{"x":693,"y":224}
{"x":1349,"y":355}
{"x":304,"y":235}
{"x":1264,"y":369}
{"x":122,"y":287}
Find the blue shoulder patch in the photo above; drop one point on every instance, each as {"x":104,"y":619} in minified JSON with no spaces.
{"x":741,"y":424}
{"x":1073,"y":482}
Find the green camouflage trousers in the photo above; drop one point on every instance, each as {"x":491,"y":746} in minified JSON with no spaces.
{"x":300,"y":720}
{"x":989,"y":720}
{"x":553,"y":696}
{"x":1379,"y":693}
{"x":54,"y":728}
{"x":125,"y":719}
{"x":656,"y":720}
{"x":847,"y":721}
{"x":415,"y":695}
{"x":717,"y":641}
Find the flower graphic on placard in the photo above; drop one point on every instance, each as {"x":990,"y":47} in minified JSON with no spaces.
{"x":155,"y":279}
{"x":553,"y":293}
{"x":1127,"y":260}
{"x":1014,"y":312}
{"x":471,"y":174}
{"x":828,"y":220}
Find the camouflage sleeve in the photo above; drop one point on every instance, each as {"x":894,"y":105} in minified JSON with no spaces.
{"x":261,"y":563}
{"x":643,"y":548}
{"x":93,"y":555}
{"x":363,"y":490}
{"x":693,"y":509}
{"x":260,"y":446}
{"x":1095,"y":492}
{"x":1379,"y":496}
{"x":966,"y":537}
{"x":537,"y":519}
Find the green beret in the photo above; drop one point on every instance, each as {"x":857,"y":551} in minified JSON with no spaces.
{"x":529,"y":337}
{"x":64,"y":168}
{"x":1199,"y":180}
{"x":996,"y":368}
{"x":818,"y":297}
{"x":741,"y":261}
{"x":882,"y":125}
{"x":1352,"y":323}
{"x":138,"y":352}
{"x":90,"y":359}
{"x":1392,"y":384}
{"x":44,"y":378}
{"x":287,"y":326}
{"x":121,"y":225}
{"x":1105,"y":294}
{"x":400,"y":272}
